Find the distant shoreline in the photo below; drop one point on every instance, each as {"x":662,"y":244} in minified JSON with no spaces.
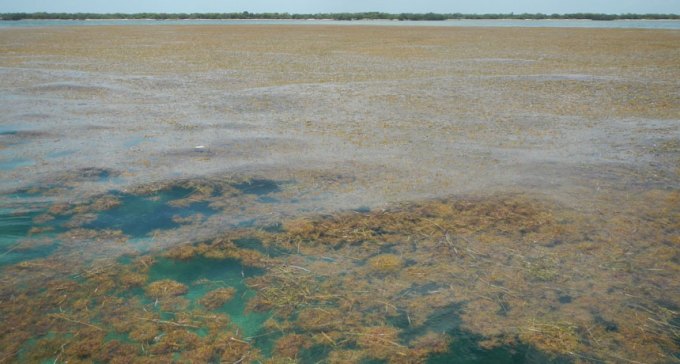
{"x":332,"y":16}
{"x":327,"y":19}
{"x":671,"y":24}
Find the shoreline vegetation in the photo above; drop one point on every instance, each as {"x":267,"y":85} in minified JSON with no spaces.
{"x":334,"y":16}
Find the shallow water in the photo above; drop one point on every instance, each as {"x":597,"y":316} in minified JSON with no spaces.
{"x":366,"y":196}
{"x":505,"y":278}
{"x":153,"y":210}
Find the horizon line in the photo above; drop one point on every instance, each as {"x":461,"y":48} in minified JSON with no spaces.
{"x":345,"y":16}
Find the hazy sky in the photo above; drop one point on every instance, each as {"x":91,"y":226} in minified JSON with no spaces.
{"x":316,"y":6}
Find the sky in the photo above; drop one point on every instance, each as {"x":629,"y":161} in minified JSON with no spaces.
{"x":327,"y":6}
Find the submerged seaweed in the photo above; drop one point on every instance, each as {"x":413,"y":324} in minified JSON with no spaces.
{"x":270,"y":198}
{"x":454,"y":280}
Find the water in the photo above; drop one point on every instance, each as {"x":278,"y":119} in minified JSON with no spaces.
{"x":204,"y":275}
{"x":152,"y":209}
{"x":10,"y":164}
{"x":15,"y":228}
{"x":615,"y":24}
{"x":350,"y":286}
{"x":502,"y":196}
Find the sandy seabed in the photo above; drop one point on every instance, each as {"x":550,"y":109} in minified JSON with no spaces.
{"x":520,"y":185}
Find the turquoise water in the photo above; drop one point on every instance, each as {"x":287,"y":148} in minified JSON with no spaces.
{"x":23,"y":234}
{"x":640,"y":24}
{"x":14,"y":228}
{"x":202,"y":275}
{"x":137,"y":216}
{"x":14,"y":163}
{"x":59,"y":154}
{"x":26,"y":214}
{"x":28,"y":230}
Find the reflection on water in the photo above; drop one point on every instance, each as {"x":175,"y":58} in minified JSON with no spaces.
{"x":506,"y":278}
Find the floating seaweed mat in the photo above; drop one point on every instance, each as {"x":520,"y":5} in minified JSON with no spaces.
{"x":145,"y":309}
{"x":163,"y":206}
{"x":502,"y":278}
{"x":34,"y":227}
{"x":214,"y":284}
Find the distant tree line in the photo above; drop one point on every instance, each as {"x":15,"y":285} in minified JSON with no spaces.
{"x":333,"y":16}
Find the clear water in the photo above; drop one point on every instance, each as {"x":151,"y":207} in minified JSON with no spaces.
{"x":203,"y":275}
{"x":15,"y":227}
{"x":152,"y":209}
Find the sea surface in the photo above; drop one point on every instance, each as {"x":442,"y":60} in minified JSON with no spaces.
{"x":317,"y":194}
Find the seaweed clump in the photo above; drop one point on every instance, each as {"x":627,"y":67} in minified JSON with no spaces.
{"x":165,"y":288}
{"x":290,"y":345}
{"x":552,"y":337}
{"x":216,"y":298}
{"x":385,"y":263}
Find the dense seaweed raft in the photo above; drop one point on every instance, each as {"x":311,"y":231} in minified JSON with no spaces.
{"x":501,"y":278}
{"x":320,"y":194}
